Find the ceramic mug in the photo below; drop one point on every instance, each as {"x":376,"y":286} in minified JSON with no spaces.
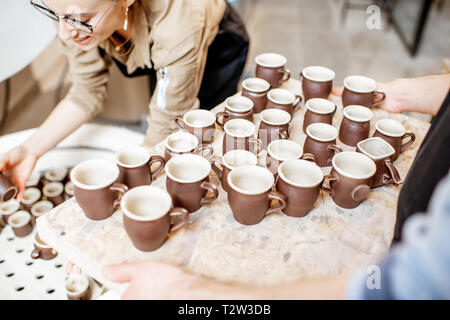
{"x":69,"y":190}
{"x":360,"y":90}
{"x":283,"y":99}
{"x":40,"y":208}
{"x":321,"y":142}
{"x":7,"y":208}
{"x":317,"y":82}
{"x":239,"y":135}
{"x":96,"y":189}
{"x":318,"y":110}
{"x":54,"y":192}
{"x":7,"y":189}
{"x":299,"y":181}
{"x":148,"y":217}
{"x":34,"y":180}
{"x":282,"y":150}
{"x":232,"y":159}
{"x":188,"y":182}
{"x":78,"y":287}
{"x":30,"y":197}
{"x":355,"y":125}
{"x":271,"y":67}
{"x":198,"y":122}
{"x":350,"y":178}
{"x":41,"y":249}
{"x":55,"y":175}
{"x":20,"y":222}
{"x":274,"y":125}
{"x":135,"y":166}
{"x":250,"y":194}
{"x":182,"y":142}
{"x":381,"y":153}
{"x":236,"y":107}
{"x":256,"y":90}
{"x":394,"y":133}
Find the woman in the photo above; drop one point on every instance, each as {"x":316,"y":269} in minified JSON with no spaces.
{"x":169,"y":40}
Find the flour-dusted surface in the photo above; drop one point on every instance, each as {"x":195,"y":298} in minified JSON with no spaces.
{"x":329,"y":240}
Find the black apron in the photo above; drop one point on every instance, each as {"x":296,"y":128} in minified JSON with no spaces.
{"x":225,"y":62}
{"x":432,"y":163}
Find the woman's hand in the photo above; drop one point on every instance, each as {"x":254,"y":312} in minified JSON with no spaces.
{"x":19,"y":163}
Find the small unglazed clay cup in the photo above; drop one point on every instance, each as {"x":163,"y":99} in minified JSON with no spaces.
{"x":20,"y":222}
{"x":55,"y":175}
{"x":40,"y":208}
{"x":318,"y":110}
{"x":256,"y":90}
{"x":7,"y":189}
{"x":299,"y":181}
{"x":250,"y":194}
{"x":355,"y":125}
{"x":41,"y":249}
{"x":272,"y":68}
{"x":232,"y":159}
{"x":30,"y":197}
{"x":7,"y":208}
{"x":78,"y":287}
{"x":350,"y":178}
{"x":148,"y":217}
{"x":54,"y":192}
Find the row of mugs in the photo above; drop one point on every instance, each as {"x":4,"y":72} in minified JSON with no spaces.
{"x":39,"y":208}
{"x":317,"y":81}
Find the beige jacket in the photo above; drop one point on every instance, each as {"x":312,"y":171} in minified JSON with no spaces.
{"x":174,"y":35}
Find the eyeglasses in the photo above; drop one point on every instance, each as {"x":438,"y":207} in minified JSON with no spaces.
{"x":74,"y":23}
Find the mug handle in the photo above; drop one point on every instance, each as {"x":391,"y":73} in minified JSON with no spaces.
{"x":208,"y":147}
{"x":36,"y":253}
{"x":336,"y":149}
{"x":224,"y":116}
{"x":360,"y":192}
{"x":154,"y":159}
{"x":211,"y":188}
{"x":283,"y":134}
{"x":275,"y":195}
{"x":215,"y":168}
{"x":286,"y":75}
{"x":298,"y":100}
{"x":256,"y":142}
{"x":394,"y":177}
{"x":179,"y":122}
{"x":380,"y":100}
{"x":412,"y":138}
{"x":178,"y":212}
{"x":329,"y":178}
{"x":121,"y":189}
{"x":309,"y":157}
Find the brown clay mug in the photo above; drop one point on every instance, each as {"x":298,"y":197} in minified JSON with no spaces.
{"x":250,"y":194}
{"x":318,"y":110}
{"x":30,"y":197}
{"x":148,"y":217}
{"x":321,"y":142}
{"x":7,"y":189}
{"x":317,"y":82}
{"x":283,"y":99}
{"x":282,"y":150}
{"x":274,"y":125}
{"x":256,"y":90}
{"x":78,"y":287}
{"x":299,"y":181}
{"x":236,"y":107}
{"x":350,"y":178}
{"x":41,"y":249}
{"x":7,"y":208}
{"x":34,"y":180}
{"x":54,"y":192}
{"x":381,"y":153}
{"x":40,"y":208}
{"x":239,"y":135}
{"x":271,"y":67}
{"x":200,"y":123}
{"x":182,"y":142}
{"x":188,"y":182}
{"x":96,"y":189}
{"x":394,"y":133}
{"x":20,"y":222}
{"x":355,"y":125}
{"x":55,"y":175}
{"x":135,"y":166}
{"x":360,"y":90}
{"x":232,"y":159}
